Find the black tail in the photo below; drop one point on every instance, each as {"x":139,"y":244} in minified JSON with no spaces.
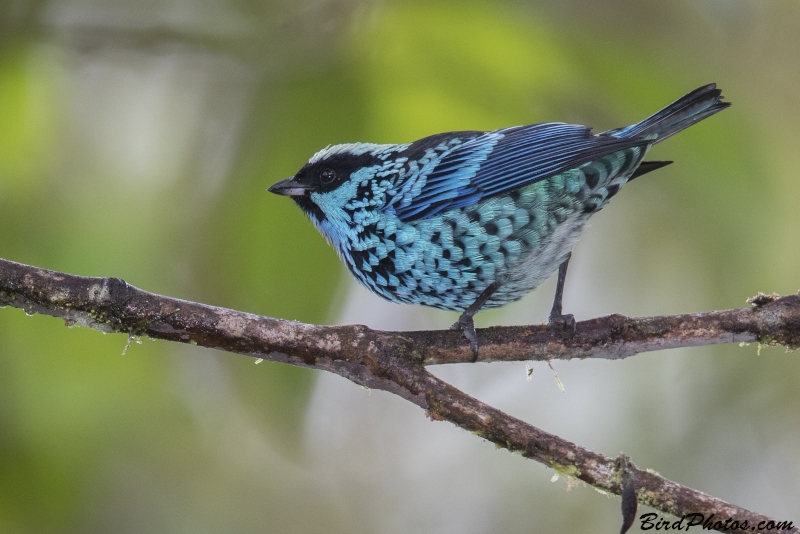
{"x":648,"y":166}
{"x":694,"y":107}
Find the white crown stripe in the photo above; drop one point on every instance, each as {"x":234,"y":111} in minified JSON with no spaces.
{"x":355,"y":149}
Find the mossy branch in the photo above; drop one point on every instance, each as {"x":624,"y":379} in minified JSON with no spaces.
{"x":395,"y":361}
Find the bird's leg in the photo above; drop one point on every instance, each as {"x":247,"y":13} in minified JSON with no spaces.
{"x":465,"y":322}
{"x":557,"y":319}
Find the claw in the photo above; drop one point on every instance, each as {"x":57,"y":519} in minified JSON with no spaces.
{"x":563,"y":323}
{"x":466,"y":325}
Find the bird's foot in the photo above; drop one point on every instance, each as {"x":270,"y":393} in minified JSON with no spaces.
{"x":466,"y":325}
{"x":563,"y":324}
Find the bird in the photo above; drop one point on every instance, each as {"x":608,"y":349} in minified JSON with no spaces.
{"x":470,"y":220}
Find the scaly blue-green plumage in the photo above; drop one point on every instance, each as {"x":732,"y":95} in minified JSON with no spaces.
{"x":450,"y":217}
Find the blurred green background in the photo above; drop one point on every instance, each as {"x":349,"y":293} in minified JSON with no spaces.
{"x":137,"y":139}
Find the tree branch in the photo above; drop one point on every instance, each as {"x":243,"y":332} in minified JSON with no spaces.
{"x":394,"y":361}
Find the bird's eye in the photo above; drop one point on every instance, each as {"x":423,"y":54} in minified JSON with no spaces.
{"x":327,"y":176}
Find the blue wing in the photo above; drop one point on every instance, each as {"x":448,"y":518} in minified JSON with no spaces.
{"x":484,"y":165}
{"x":458,"y":169}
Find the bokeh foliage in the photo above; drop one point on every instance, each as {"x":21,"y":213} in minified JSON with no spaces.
{"x":137,"y":140}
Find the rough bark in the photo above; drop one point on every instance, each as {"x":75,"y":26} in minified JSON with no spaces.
{"x":395,"y":361}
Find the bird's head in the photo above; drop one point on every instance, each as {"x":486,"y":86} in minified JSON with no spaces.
{"x":338,"y":182}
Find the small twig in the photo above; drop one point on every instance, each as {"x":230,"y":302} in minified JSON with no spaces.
{"x":628,"y":483}
{"x":394,"y":361}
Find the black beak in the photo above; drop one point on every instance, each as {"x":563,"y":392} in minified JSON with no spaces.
{"x":288,"y":188}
